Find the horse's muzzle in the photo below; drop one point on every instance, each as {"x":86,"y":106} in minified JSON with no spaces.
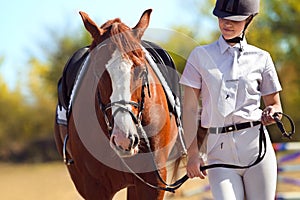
{"x":124,"y":146}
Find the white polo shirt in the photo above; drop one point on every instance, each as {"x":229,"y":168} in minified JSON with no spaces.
{"x":230,"y":95}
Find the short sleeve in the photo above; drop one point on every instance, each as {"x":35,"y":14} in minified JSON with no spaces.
{"x":191,"y":76}
{"x":270,"y":81}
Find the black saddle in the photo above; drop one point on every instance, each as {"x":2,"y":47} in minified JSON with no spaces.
{"x":166,"y":65}
{"x":159,"y":55}
{"x":67,"y":80}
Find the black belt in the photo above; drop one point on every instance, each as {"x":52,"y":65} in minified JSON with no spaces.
{"x":233,"y":127}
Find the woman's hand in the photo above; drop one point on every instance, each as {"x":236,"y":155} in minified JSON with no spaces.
{"x":193,"y":167}
{"x":267,"y":115}
{"x":273,"y":104}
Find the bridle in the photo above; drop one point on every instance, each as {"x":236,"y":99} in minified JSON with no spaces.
{"x":122,"y":105}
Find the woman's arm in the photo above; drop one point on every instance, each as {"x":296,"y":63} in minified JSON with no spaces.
{"x":190,"y":126}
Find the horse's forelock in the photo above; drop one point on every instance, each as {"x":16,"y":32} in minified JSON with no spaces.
{"x":125,"y":40}
{"x":107,"y":24}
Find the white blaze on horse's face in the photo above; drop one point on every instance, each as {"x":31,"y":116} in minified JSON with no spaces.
{"x":124,"y":133}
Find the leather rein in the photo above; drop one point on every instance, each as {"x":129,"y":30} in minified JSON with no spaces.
{"x":262,"y":146}
{"x":122,"y":107}
{"x":262,"y":152}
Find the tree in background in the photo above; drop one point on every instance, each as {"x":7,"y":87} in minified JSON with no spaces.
{"x":278,"y":33}
{"x":16,"y":121}
{"x":58,"y":56}
{"x":26,"y":118}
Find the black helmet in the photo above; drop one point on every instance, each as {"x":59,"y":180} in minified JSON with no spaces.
{"x":236,"y":10}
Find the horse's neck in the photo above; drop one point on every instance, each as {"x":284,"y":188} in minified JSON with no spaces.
{"x":172,"y":99}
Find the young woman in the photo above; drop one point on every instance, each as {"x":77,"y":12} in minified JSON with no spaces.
{"x":231,"y":76}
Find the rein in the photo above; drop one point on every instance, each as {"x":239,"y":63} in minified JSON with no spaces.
{"x":262,"y":142}
{"x":281,"y":126}
{"x":167,"y":187}
{"x":122,"y":107}
{"x":262,"y":149}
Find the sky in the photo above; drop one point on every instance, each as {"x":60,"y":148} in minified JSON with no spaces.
{"x":25,"y":25}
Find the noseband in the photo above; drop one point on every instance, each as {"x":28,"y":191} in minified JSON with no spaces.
{"x":122,"y":105}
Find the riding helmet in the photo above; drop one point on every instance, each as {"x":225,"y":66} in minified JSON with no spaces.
{"x":236,"y":10}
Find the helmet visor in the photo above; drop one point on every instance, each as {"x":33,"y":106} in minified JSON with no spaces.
{"x":236,"y":17}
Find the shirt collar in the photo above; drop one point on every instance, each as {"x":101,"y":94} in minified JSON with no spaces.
{"x":224,"y":45}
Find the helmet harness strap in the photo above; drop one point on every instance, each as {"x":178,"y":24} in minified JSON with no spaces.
{"x":239,"y":39}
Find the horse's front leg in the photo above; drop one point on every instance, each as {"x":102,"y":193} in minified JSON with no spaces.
{"x":131,"y":193}
{"x":95,"y":190}
{"x":146,"y":192}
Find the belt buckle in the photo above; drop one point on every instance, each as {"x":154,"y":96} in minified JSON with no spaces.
{"x":231,"y":128}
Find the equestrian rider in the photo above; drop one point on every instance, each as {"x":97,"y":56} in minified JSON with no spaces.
{"x":230,"y":77}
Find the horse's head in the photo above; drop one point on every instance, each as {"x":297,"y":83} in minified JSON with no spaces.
{"x":117,"y":54}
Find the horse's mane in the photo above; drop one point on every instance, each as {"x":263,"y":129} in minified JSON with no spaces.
{"x":124,"y":38}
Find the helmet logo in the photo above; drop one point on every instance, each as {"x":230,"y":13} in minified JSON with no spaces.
{"x":230,"y":6}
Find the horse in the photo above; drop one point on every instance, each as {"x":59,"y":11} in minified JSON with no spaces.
{"x":118,"y":128}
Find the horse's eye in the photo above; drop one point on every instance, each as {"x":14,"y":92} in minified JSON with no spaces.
{"x":137,"y":71}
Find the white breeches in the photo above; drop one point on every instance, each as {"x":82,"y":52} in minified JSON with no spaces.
{"x":241,"y":148}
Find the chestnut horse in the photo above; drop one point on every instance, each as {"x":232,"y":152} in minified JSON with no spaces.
{"x":119,"y":130}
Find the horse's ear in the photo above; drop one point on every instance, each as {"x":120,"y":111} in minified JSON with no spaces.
{"x":91,"y":26}
{"x":142,"y":24}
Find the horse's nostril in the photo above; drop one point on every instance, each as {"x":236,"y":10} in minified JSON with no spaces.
{"x":113,"y":142}
{"x":135,"y":141}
